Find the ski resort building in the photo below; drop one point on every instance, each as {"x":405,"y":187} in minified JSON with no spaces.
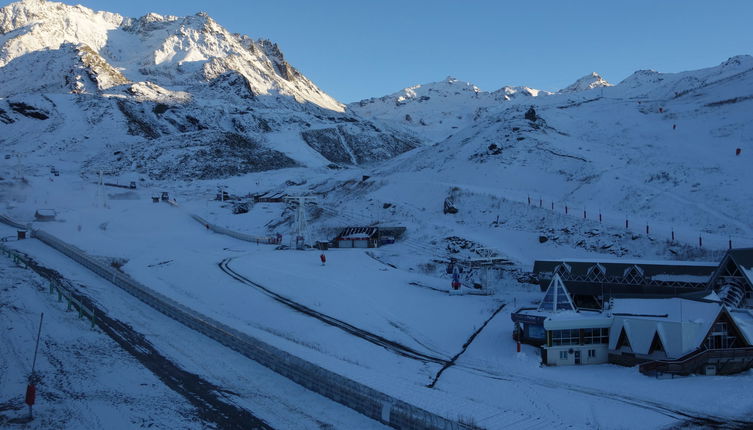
{"x":567,"y":335}
{"x":592,"y":282}
{"x":367,"y":237}
{"x":705,"y":330}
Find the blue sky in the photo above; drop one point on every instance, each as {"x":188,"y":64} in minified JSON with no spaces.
{"x":359,"y":49}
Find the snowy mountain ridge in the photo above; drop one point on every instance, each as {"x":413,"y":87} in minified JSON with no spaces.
{"x":437,"y":109}
{"x":140,"y":84}
{"x":166,"y":50}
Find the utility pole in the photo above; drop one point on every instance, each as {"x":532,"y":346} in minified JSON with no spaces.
{"x":101,"y":193}
{"x":301,"y":224}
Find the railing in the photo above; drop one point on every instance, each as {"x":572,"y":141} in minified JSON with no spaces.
{"x":693,"y":361}
{"x":64,"y":292}
{"x":359,"y":397}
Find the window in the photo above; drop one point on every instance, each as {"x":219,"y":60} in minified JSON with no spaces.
{"x":535,"y":331}
{"x":597,"y":273}
{"x":563,"y":270}
{"x":656,"y":344}
{"x":720,"y":328}
{"x":563,"y":355}
{"x":633,"y":275}
{"x":565,"y":337}
{"x":591,"y":353}
{"x":595,"y":335}
{"x":623,"y":342}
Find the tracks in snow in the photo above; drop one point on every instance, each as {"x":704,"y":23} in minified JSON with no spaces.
{"x":684,"y":416}
{"x":390,"y":345}
{"x":206,"y":397}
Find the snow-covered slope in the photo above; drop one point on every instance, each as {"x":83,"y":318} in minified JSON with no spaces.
{"x":135,"y":94}
{"x":658,"y":149}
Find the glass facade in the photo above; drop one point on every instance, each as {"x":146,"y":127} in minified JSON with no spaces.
{"x":565,"y":337}
{"x":589,"y":336}
{"x":595,"y":335}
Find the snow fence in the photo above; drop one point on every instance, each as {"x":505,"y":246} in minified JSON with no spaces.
{"x":361,"y":398}
{"x":222,"y":230}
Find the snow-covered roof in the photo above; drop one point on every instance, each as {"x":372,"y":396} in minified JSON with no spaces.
{"x":680,"y":323}
{"x":744,"y":320}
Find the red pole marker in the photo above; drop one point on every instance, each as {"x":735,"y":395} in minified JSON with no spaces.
{"x":738,"y":151}
{"x":323,"y":258}
{"x":31,"y":395}
{"x":518,"y":346}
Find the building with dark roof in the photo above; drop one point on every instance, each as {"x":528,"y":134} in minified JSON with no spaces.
{"x":593,"y":281}
{"x":670,"y":317}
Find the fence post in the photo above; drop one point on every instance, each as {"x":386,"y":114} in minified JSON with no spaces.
{"x":627,"y":224}
{"x":584,"y":214}
{"x":673,"y":235}
{"x":700,"y":241}
{"x":647,"y":230}
{"x":565,"y":209}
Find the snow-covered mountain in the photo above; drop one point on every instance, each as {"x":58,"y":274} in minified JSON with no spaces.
{"x":658,"y":148}
{"x":436,"y":110}
{"x":587,"y":82}
{"x":164,"y":90}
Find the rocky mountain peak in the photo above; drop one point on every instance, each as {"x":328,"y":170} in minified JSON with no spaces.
{"x":588,"y":82}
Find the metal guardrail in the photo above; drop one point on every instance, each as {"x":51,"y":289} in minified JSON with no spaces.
{"x":63,"y":291}
{"x":359,"y":397}
{"x":693,"y":361}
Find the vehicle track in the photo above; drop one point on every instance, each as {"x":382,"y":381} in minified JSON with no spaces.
{"x":375,"y":339}
{"x":683,"y":416}
{"x":686,"y":417}
{"x":206,"y":397}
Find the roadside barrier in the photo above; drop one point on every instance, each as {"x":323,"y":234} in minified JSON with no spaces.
{"x":363,"y":399}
